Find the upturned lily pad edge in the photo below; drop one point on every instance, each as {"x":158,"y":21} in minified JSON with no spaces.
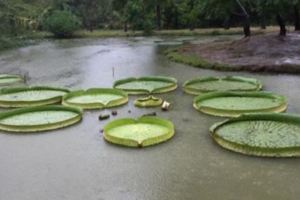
{"x":228,"y":113}
{"x":40,"y":128}
{"x":166,"y":89}
{"x":19,"y":104}
{"x":19,"y":79}
{"x":150,"y":101}
{"x":257,"y":151}
{"x":134,"y":143}
{"x":98,"y":105}
{"x":190,"y":90}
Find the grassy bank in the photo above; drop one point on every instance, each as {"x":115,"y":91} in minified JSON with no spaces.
{"x":261,"y":53}
{"x":196,"y":61}
{"x":7,"y":42}
{"x":181,"y":32}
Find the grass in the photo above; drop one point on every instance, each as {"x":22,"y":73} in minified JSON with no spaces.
{"x":196,"y":61}
{"x":7,"y":42}
{"x":180,"y":32}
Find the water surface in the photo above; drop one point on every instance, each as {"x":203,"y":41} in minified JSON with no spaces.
{"x":76,"y":163}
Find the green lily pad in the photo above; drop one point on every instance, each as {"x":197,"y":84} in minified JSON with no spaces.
{"x":233,"y":104}
{"x":30,"y":96}
{"x":150,"y":101}
{"x":41,"y":118}
{"x":8,"y":79}
{"x":96,"y":98}
{"x":146,"y":85}
{"x":142,"y":132}
{"x":213,"y":84}
{"x":268,"y":134}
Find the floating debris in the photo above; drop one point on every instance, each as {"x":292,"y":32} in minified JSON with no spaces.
{"x":114,"y":113}
{"x":104,"y":117}
{"x":165,"y":106}
{"x":150,"y":114}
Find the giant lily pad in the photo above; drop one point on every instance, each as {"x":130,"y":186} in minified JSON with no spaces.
{"x":150,"y":101}
{"x":142,"y":132}
{"x":41,"y":118}
{"x":146,"y":85}
{"x":8,"y":79}
{"x":213,"y":84}
{"x":30,"y":96}
{"x":269,"y":134}
{"x":232,"y":104}
{"x":96,"y":98}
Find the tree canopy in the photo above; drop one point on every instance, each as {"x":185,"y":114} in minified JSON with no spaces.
{"x":148,"y":15}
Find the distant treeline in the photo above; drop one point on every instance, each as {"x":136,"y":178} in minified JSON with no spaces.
{"x":148,"y":15}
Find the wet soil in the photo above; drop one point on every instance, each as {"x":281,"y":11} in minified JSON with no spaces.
{"x":258,"y":53}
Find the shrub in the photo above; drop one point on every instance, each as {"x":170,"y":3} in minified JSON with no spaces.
{"x":61,"y":23}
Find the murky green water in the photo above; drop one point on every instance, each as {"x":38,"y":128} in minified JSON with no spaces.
{"x":76,"y":163}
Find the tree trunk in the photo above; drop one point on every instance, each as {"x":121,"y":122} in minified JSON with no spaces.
{"x":263,"y":22}
{"x":247,"y":30}
{"x":125,"y":26}
{"x":226,"y":24}
{"x":297,"y":18}
{"x":158,"y":16}
{"x":281,"y":23}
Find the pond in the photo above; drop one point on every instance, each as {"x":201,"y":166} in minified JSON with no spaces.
{"x":76,"y":163}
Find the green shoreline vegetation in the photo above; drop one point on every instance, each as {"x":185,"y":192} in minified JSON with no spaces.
{"x":29,"y":38}
{"x":24,"y":22}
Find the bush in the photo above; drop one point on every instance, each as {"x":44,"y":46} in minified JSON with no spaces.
{"x":62,"y":23}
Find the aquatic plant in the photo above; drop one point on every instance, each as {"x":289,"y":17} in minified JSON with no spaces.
{"x":147,"y":85}
{"x":31,"y":96}
{"x":96,"y":98}
{"x":41,"y":118}
{"x":229,"y":83}
{"x":263,"y":134}
{"x":141,"y":132}
{"x":233,"y":104}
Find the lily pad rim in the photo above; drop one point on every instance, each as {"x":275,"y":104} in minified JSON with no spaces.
{"x":133,"y":143}
{"x":19,"y":78}
{"x":24,"y":103}
{"x":43,"y":127}
{"x":190,"y":90}
{"x":91,"y":91}
{"x":232,"y":113}
{"x":170,"y":88}
{"x":139,"y":102}
{"x":256,"y":151}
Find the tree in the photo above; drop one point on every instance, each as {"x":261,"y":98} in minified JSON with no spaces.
{"x":62,"y":23}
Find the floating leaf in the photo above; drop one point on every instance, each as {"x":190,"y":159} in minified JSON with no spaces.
{"x":8,"y":79}
{"x":96,"y":98}
{"x":150,"y":101}
{"x":268,"y":134}
{"x":30,"y":96}
{"x":233,"y":104}
{"x":213,"y":84}
{"x":41,"y":118}
{"x":146,"y":85}
{"x":142,"y":132}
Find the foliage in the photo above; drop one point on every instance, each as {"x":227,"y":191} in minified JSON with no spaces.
{"x":19,"y":16}
{"x":62,"y":23}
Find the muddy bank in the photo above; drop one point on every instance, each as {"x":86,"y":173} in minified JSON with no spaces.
{"x":270,"y":53}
